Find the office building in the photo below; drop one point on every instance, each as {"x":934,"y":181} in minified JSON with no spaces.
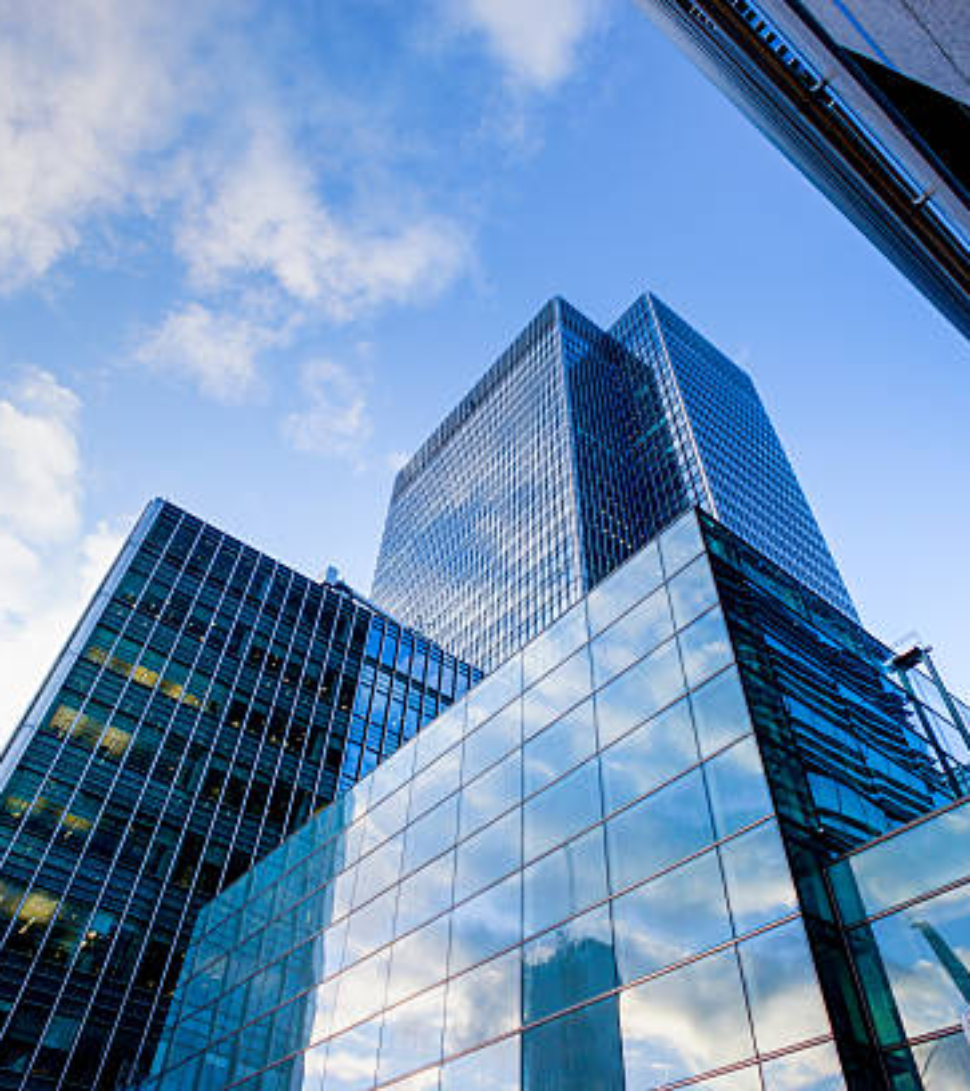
{"x":871,"y":100}
{"x":575,"y":448}
{"x":210,"y":700}
{"x":608,"y":867}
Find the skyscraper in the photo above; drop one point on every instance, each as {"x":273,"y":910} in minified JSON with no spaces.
{"x":575,"y":448}
{"x":652,"y":849}
{"x":871,"y":99}
{"x":210,"y":700}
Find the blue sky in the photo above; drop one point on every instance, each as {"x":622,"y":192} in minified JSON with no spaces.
{"x":251,"y":255}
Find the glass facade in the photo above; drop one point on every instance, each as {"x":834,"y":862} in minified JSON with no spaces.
{"x":575,"y":879}
{"x":210,"y":700}
{"x":573,"y":451}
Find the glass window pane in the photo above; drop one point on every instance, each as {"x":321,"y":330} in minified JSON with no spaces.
{"x":558,"y":641}
{"x":572,"y":963}
{"x":494,"y":739}
{"x":411,"y":1037}
{"x":492,"y":794}
{"x":758,"y":880}
{"x":418,"y":960}
{"x":561,"y":811}
{"x":370,"y":927}
{"x":685,"y":1022}
{"x":629,"y":639}
{"x":676,"y":915}
{"x":495,"y":1068}
{"x":425,"y":894}
{"x":483,"y":1003}
{"x":692,"y":591}
{"x":739,"y":791}
{"x":488,"y":855}
{"x":434,"y":783}
{"x":562,"y":688}
{"x":944,"y":1062}
{"x":386,"y":819}
{"x":630,"y":583}
{"x":439,"y":735}
{"x":559,"y":747}
{"x":705,"y":647}
{"x":486,"y":924}
{"x":649,"y":755}
{"x":430,"y":835}
{"x":579,"y":1051}
{"x":352,"y":1058}
{"x":681,"y":543}
{"x":378,"y":870}
{"x":360,"y":991}
{"x":639,"y":693}
{"x":786,"y":1005}
{"x":494,"y":692}
{"x":816,"y":1069}
{"x":720,"y":711}
{"x":658,"y":831}
{"x":565,"y":882}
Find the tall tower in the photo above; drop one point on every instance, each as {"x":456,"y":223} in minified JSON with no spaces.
{"x":574,"y":450}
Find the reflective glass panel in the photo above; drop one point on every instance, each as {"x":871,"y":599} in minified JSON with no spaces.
{"x":572,"y":963}
{"x":786,"y":1005}
{"x":629,"y":584}
{"x":411,"y":1036}
{"x":430,"y":835}
{"x":565,"y":882}
{"x":483,"y":1003}
{"x":494,"y":691}
{"x":434,"y":783}
{"x":439,"y":735}
{"x":676,"y":915}
{"x":558,"y":641}
{"x":565,"y":808}
{"x":944,"y":1063}
{"x":652,"y":753}
{"x":370,"y":927}
{"x":658,"y":831}
{"x":705,"y":647}
{"x":815,"y":1069}
{"x":486,"y":924}
{"x":425,"y":894}
{"x":502,"y":733}
{"x":639,"y":693}
{"x":361,"y":991}
{"x":680,"y":543}
{"x":488,"y":855}
{"x":559,"y":747}
{"x":692,"y":591}
{"x":720,"y":711}
{"x":629,"y":639}
{"x":418,"y":960}
{"x":495,"y":1068}
{"x":739,"y":791}
{"x":379,"y":870}
{"x":578,"y":1051}
{"x":352,"y":1058}
{"x":686,"y":1022}
{"x":492,"y":794}
{"x":758,"y":880}
{"x":557,"y":692}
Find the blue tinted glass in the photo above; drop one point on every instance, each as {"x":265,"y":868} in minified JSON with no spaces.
{"x":370,"y":927}
{"x":720,"y":711}
{"x":430,"y":835}
{"x":758,"y":881}
{"x":578,"y":1051}
{"x":488,"y":855}
{"x":639,"y":693}
{"x":562,"y":688}
{"x":568,"y":806}
{"x":411,"y":1036}
{"x":434,"y":783}
{"x":492,"y":740}
{"x":483,"y":1003}
{"x":493,"y":793}
{"x":658,"y":831}
{"x":739,"y":791}
{"x":692,"y":591}
{"x":815,"y":1069}
{"x":658,"y":750}
{"x":352,"y":1058}
{"x":572,"y":963}
{"x":440,"y":734}
{"x":418,"y":960}
{"x":558,"y":641}
{"x":629,"y":639}
{"x":627,"y":585}
{"x":378,"y":870}
{"x":559,"y":747}
{"x":685,"y":1022}
{"x":705,"y":647}
{"x":680,"y":543}
{"x":565,"y":882}
{"x":495,"y":1068}
{"x":486,"y":924}
{"x":495,"y":691}
{"x":673,"y":916}
{"x":425,"y":894}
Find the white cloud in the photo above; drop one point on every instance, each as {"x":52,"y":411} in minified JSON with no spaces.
{"x":537,"y":41}
{"x":336,"y":420}
{"x":215,"y":349}
{"x":49,"y":564}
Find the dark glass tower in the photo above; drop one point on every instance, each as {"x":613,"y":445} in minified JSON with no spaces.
{"x":574,"y":449}
{"x":210,"y":700}
{"x":871,"y":100}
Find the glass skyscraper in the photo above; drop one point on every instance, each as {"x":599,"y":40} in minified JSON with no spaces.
{"x":575,"y":448}
{"x":871,"y":99}
{"x":210,"y":700}
{"x":619,"y":863}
